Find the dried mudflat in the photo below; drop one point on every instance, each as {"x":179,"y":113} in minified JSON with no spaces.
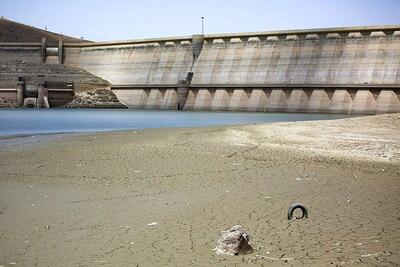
{"x":160,"y":197}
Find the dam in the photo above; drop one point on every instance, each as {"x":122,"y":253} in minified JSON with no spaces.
{"x":353,"y":70}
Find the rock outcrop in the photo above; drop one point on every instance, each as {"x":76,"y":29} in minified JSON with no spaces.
{"x":100,"y":98}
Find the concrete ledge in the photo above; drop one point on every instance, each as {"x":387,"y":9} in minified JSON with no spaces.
{"x":13,"y":44}
{"x":355,"y":35}
{"x":236,"y":40}
{"x":223,"y":86}
{"x":218,"y":41}
{"x":272,"y":38}
{"x":377,"y":34}
{"x":323,"y":31}
{"x":253,"y":39}
{"x":312,"y":36}
{"x":60,"y":90}
{"x":127,"y":42}
{"x":292,"y":37}
{"x":333,"y":35}
{"x":295,"y":86}
{"x":133,"y":86}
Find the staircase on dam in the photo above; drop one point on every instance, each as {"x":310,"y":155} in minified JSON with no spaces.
{"x":337,"y":70}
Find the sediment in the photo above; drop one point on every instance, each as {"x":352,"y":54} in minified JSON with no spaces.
{"x":161,"y":196}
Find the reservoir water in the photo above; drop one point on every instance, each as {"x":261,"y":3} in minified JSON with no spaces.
{"x":48,"y":121}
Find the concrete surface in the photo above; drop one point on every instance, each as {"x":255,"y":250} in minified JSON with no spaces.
{"x":286,"y":67}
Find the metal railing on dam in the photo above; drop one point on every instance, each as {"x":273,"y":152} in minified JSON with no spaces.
{"x":334,"y":70}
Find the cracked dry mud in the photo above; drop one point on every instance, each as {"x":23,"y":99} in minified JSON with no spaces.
{"x":160,"y":197}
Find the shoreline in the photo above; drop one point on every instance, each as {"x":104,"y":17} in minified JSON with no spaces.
{"x":278,"y":144}
{"x":161,"y":196}
{"x":89,"y":122}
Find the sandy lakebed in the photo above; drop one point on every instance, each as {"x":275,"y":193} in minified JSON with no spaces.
{"x":160,"y":197}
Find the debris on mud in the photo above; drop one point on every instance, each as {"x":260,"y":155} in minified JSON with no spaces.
{"x":234,"y":241}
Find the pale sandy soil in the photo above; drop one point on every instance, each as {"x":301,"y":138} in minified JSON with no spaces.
{"x":88,"y":200}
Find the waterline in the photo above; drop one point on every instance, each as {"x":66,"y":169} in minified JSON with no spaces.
{"x":36,"y":121}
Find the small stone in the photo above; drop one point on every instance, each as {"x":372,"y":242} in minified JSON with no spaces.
{"x":152,"y":223}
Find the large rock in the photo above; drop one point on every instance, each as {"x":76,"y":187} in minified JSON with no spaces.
{"x":234,"y":241}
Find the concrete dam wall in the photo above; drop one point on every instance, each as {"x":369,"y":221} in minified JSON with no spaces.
{"x":339,"y":70}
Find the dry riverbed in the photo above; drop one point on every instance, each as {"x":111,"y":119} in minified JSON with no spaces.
{"x":160,"y":197}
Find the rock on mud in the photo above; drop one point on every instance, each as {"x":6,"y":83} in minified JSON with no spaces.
{"x":234,"y":241}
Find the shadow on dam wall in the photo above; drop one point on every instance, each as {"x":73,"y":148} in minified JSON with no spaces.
{"x":338,"y":70}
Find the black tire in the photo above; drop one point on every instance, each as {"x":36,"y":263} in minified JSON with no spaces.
{"x":295,"y":206}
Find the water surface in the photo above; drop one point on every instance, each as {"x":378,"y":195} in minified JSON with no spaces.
{"x":48,"y":121}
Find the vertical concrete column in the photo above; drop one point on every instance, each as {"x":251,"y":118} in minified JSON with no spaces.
{"x":197,"y":45}
{"x":60,"y":52}
{"x":43,"y":50}
{"x":170,"y":100}
{"x":20,"y":92}
{"x":183,"y":91}
{"x":154,"y":100}
{"x":42,"y":100}
{"x":191,"y":98}
{"x":203,"y":100}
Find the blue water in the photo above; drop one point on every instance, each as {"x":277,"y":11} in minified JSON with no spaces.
{"x":45,"y":121}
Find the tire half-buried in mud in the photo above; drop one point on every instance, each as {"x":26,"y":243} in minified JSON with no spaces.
{"x":295,"y":206}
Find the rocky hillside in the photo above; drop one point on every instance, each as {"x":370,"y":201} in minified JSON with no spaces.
{"x":10,"y":70}
{"x":11,"y":31}
{"x":90,"y":91}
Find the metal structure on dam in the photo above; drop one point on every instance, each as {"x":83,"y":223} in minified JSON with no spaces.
{"x":336,"y":70}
